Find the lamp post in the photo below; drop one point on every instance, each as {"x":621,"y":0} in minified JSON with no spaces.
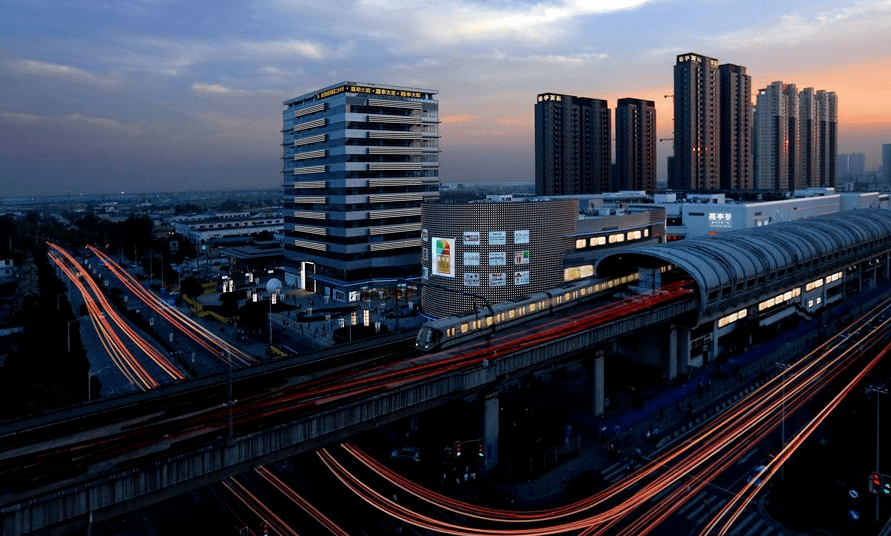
{"x":878,"y":391}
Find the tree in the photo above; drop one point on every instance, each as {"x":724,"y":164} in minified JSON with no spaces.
{"x":191,"y":288}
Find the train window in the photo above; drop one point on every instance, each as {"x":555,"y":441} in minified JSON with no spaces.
{"x":646,"y":233}
{"x":465,"y":328}
{"x":532,"y":307}
{"x":584,"y":291}
{"x":499,"y":318}
{"x":580,"y":243}
{"x":597,"y":287}
{"x":489,"y":321}
{"x":521,"y":310}
{"x":567,"y":297}
{"x":450,"y":332}
{"x":511,"y":314}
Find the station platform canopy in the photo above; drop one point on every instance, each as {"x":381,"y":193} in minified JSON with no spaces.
{"x":741,"y":266}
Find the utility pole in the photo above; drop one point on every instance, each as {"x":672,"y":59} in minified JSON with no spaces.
{"x":878,"y":391}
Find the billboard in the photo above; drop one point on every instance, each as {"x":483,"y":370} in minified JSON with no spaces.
{"x":521,"y":236}
{"x":497,"y":279}
{"x":497,"y":238}
{"x":471,"y":258}
{"x":497,"y":258}
{"x":471,"y":279}
{"x":443,"y":262}
{"x":471,"y":238}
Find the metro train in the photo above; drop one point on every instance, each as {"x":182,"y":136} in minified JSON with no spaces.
{"x":453,"y":330}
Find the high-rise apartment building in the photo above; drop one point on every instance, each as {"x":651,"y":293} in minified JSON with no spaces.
{"x":795,"y":138}
{"x":776,"y":135}
{"x":735,"y":128}
{"x":696,"y":123}
{"x":818,"y":137}
{"x":359,"y":159}
{"x":849,"y":164}
{"x":886,"y":163}
{"x":635,"y":145}
{"x":572,"y":145}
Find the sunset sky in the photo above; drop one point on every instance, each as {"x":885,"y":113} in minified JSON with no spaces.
{"x":101,"y":96}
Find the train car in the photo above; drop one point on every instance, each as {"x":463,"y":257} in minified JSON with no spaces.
{"x":453,"y":330}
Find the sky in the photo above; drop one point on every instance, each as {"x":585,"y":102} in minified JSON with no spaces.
{"x":106,"y":96}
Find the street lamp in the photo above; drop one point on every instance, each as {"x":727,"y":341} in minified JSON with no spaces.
{"x":272,"y":286}
{"x":783,"y":367}
{"x":878,"y":391}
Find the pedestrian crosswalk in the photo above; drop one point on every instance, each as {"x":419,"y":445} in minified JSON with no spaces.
{"x":704,"y":505}
{"x":700,"y":509}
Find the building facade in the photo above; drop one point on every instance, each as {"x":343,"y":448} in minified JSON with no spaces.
{"x":635,"y":145}
{"x":572,"y":145}
{"x":359,"y":161}
{"x":697,"y":159}
{"x":480,"y":253}
{"x":775,"y":137}
{"x":735,"y":128}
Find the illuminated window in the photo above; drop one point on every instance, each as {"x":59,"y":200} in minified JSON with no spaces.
{"x":511,"y":314}
{"x":489,"y":321}
{"x":580,"y":243}
{"x":465,"y":328}
{"x":531,"y":307}
{"x":521,"y":310}
{"x":646,"y":232}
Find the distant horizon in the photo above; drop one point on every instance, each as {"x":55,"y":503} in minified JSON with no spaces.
{"x":105,"y":97}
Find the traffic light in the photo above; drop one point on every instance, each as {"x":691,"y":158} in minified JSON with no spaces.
{"x":886,"y":484}
{"x":875,"y":483}
{"x":480,"y":451}
{"x":265,"y":528}
{"x":456,"y":449}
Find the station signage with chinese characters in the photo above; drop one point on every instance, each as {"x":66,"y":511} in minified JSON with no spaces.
{"x":720,"y":220}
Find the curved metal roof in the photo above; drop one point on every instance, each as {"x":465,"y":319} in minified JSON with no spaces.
{"x":749,"y":261}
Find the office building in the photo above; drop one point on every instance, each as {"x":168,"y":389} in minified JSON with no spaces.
{"x":635,"y":145}
{"x":572,"y":145}
{"x":735,"y":128}
{"x":696,"y":123}
{"x":359,"y":160}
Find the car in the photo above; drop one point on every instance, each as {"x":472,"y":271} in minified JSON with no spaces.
{"x":407,"y":453}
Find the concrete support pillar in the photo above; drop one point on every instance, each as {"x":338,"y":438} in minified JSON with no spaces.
{"x":670,"y":369}
{"x":597,"y":377}
{"x":713,"y":344}
{"x":683,"y":349}
{"x":491,"y":410}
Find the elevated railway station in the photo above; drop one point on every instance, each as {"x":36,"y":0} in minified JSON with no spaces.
{"x":754,"y":279}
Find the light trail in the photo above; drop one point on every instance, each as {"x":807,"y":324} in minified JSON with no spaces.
{"x":754,"y":421}
{"x":218,"y":346}
{"x":149,"y":349}
{"x":304,"y":505}
{"x":256,"y":506}
{"x":117,"y":350}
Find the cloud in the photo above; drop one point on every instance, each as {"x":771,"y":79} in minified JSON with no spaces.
{"x":800,"y":26}
{"x":217,"y":89}
{"x":411,"y":26}
{"x":56,"y":70}
{"x":78,"y":120}
{"x":286,"y":47}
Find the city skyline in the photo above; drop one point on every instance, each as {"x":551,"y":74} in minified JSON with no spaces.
{"x":146,"y":96}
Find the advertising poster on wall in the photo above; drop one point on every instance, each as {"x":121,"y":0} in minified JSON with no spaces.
{"x":521,"y":257}
{"x":497,"y":238}
{"x":443,"y":262}
{"x":497,"y":258}
{"x":521,"y":278}
{"x":471,"y":279}
{"x":471,"y":238}
{"x":497,"y":279}
{"x":521,"y":236}
{"x":471,"y":258}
